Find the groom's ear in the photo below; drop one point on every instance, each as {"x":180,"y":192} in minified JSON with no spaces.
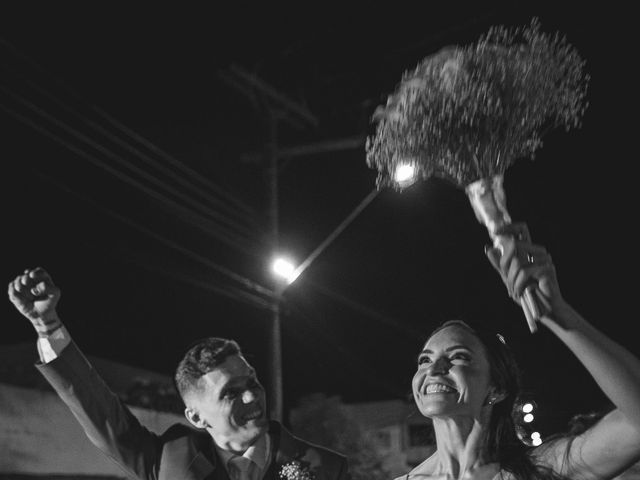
{"x":195,"y":419}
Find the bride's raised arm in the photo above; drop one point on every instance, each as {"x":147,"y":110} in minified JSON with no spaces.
{"x":613,"y":443}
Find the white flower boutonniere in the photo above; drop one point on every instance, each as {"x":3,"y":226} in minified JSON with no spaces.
{"x":296,"y":470}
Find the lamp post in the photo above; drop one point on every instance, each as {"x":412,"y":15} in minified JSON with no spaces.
{"x":278,"y":106}
{"x":282,"y":269}
{"x":275,"y":343}
{"x":286,"y":273}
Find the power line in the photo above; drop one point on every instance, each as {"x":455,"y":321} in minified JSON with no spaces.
{"x":195,"y":219}
{"x":243,"y":281}
{"x":226,"y":290}
{"x":25,"y":102}
{"x":351,"y":361}
{"x":190,"y":187}
{"x":367,"y":311}
{"x":245,"y":209}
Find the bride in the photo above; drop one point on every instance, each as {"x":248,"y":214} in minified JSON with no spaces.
{"x":467,"y":382}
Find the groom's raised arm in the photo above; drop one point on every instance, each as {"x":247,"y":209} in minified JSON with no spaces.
{"x":107,"y":422}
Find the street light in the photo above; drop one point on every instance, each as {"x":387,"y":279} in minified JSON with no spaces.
{"x":405,"y":174}
{"x":287,"y":273}
{"x":284,"y":268}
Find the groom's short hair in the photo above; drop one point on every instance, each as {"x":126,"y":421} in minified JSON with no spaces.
{"x":202,"y":357}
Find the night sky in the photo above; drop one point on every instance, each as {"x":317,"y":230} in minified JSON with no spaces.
{"x":133,"y":170}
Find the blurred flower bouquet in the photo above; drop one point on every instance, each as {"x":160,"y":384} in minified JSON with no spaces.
{"x":465,"y":114}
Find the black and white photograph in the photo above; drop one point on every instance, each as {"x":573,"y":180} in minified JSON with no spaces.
{"x":248,"y":241}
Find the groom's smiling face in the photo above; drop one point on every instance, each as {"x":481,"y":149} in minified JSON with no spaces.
{"x":230,"y":403}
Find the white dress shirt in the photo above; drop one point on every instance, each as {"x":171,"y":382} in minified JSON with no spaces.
{"x":257,"y":457}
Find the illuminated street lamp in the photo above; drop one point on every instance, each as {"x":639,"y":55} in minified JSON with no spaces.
{"x":284,"y":268}
{"x":288,"y":272}
{"x":405,"y":174}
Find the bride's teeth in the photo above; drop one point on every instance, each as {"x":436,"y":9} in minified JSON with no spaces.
{"x":438,"y":388}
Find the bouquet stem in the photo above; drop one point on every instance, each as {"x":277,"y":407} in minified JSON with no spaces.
{"x":488,"y":200}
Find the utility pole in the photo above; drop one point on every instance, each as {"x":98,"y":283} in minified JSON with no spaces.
{"x":275,"y":336}
{"x":277,"y":107}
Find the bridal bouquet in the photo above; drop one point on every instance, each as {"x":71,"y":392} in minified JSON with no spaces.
{"x":466,"y":114}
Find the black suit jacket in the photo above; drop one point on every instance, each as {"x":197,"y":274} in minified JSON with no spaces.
{"x":180,"y":452}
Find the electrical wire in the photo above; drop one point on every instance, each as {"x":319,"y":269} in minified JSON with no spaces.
{"x":352,"y":365}
{"x":184,"y":213}
{"x":243,"y":281}
{"x":242,"y":206}
{"x":189,"y":187}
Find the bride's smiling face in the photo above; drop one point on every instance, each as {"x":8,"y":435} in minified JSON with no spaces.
{"x":453,"y":375}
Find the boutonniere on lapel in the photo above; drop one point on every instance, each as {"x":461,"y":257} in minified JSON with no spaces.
{"x":296,"y":470}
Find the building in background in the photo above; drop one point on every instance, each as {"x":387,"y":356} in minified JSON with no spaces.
{"x":401,"y":434}
{"x":383,"y":439}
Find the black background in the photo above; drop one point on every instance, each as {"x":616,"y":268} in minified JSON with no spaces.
{"x":354,"y":321}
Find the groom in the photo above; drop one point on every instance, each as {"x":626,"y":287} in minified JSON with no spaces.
{"x":225,"y":402}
